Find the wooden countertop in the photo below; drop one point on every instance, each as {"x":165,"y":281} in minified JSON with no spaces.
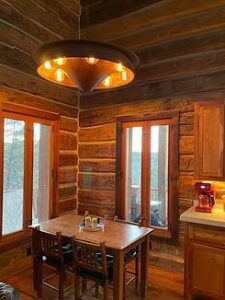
{"x":216,"y":218}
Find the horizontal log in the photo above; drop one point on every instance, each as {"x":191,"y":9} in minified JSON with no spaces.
{"x":186,"y":187}
{"x":186,"y":145}
{"x":210,"y":20}
{"x":68,"y":124}
{"x":97,"y":165}
{"x":96,"y":197}
{"x":186,"y":163}
{"x":104,"y":150}
{"x":67,"y":190}
{"x":96,"y":210}
{"x":68,"y":141}
{"x":96,"y":181}
{"x":141,"y":108}
{"x":203,"y":42}
{"x":60,"y":11}
{"x":67,"y":175}
{"x":187,"y":129}
{"x":183,"y":66}
{"x":187,"y":118}
{"x":15,"y":38}
{"x":102,"y":11}
{"x":33,"y":85}
{"x":163,"y":13}
{"x":67,"y":204}
{"x":29,"y":100}
{"x":43,"y":17}
{"x":67,"y":159}
{"x":183,"y":202}
{"x":15,"y":18}
{"x":98,"y":134}
{"x":155,"y":90}
{"x":17,"y":60}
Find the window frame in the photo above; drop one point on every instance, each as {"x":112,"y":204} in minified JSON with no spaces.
{"x":30,"y":116}
{"x":172,"y":119}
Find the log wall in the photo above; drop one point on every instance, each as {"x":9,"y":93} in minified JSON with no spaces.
{"x":180,"y":45}
{"x":24,"y":25}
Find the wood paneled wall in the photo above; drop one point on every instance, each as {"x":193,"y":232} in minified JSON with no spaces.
{"x":181,"y":48}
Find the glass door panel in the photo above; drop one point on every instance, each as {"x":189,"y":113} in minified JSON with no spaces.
{"x":133,"y":174}
{"x":13,"y":176}
{"x":159,"y":176}
{"x":41,"y":172}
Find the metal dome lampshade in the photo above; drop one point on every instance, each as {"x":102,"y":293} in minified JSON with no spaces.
{"x":86,"y":65}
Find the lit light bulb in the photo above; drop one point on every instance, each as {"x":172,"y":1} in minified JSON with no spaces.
{"x":59,"y":75}
{"x":47,"y":65}
{"x":119,"y":67}
{"x":124,"y":75}
{"x":60,"y":61}
{"x":107,"y":81}
{"x":91,"y":60}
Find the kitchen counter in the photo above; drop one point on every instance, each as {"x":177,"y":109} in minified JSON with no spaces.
{"x":216,"y":218}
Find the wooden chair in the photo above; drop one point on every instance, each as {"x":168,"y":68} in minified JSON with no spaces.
{"x":52,"y":250}
{"x":132,"y":255}
{"x":90,"y":263}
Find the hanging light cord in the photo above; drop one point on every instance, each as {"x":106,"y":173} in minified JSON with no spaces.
{"x":78,"y":20}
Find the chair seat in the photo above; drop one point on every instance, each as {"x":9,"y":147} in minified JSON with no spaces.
{"x":132,"y":254}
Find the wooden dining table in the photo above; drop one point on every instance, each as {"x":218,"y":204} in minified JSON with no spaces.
{"x":119,"y":238}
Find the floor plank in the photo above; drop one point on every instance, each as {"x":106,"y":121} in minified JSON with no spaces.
{"x":163,"y":285}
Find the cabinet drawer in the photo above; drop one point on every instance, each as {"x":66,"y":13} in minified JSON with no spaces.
{"x":207,"y":234}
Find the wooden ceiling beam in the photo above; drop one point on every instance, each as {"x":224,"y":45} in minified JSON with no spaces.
{"x":147,"y":18}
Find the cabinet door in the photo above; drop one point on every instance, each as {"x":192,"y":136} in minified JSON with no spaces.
{"x":207,"y":270}
{"x":209,"y":139}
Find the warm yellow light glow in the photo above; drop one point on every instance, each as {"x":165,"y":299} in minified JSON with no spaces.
{"x":107,"y":81}
{"x":119,"y":67}
{"x":91,"y":60}
{"x":47,"y":65}
{"x":59,"y":75}
{"x":60,"y":61}
{"x":124,"y":75}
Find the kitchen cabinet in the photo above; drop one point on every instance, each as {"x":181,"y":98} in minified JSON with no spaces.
{"x":204,"y":261}
{"x":210,"y":140}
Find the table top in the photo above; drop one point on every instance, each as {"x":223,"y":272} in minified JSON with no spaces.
{"x":116,"y":235}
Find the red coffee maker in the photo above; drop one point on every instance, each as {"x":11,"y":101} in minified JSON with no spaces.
{"x":206,"y":194}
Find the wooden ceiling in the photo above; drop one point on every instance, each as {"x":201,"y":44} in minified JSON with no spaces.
{"x":175,"y":40}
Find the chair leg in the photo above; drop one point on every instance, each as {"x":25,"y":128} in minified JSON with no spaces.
{"x":106,"y":291}
{"x":39,"y":278}
{"x":35,"y":271}
{"x":76,"y":286}
{"x":96,"y":290}
{"x":137,"y":272}
{"x":61,"y":282}
{"x":84,"y":285}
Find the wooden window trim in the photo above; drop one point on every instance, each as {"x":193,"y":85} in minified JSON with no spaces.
{"x":154,"y":118}
{"x":31,"y":116}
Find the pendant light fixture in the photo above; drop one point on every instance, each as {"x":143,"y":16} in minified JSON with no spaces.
{"x":86,"y":65}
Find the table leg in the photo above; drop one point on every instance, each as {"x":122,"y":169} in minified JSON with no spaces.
{"x":118,"y":272}
{"x":144,"y":266}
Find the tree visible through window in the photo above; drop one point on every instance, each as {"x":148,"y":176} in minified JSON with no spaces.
{"x":26,"y":184}
{"x":147,"y":172}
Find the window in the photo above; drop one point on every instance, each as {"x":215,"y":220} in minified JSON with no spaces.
{"x":147,"y":151}
{"x":27,"y":167}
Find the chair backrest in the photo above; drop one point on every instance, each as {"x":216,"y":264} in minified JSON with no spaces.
{"x":47,"y":244}
{"x":90,"y":256}
{"x":116,"y":219}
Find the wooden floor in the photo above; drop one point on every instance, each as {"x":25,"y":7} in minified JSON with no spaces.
{"x":163,"y":285}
